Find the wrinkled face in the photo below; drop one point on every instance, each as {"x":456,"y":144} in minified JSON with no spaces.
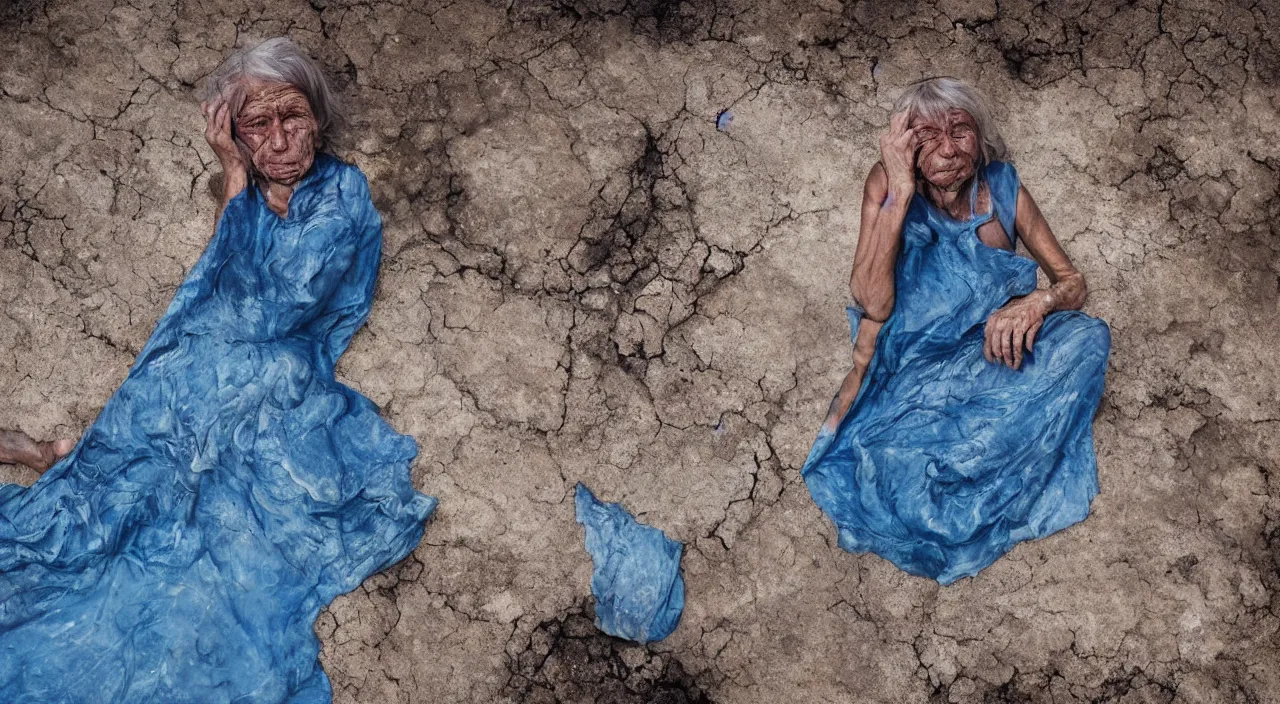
{"x":949,"y":148}
{"x":277,"y":125}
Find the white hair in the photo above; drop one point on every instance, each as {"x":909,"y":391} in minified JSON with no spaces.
{"x":933,"y":97}
{"x":277,"y":60}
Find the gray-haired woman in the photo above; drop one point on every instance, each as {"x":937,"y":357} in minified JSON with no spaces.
{"x":231,"y":487}
{"x":947,"y":443}
{"x":268,"y":109}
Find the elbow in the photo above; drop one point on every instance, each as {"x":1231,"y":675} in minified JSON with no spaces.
{"x":877,"y":312}
{"x":876,"y":303}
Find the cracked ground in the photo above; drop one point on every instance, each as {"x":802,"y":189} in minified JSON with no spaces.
{"x":584,"y":279}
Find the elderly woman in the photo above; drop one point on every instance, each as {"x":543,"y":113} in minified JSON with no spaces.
{"x":231,"y":487}
{"x":965,"y":425}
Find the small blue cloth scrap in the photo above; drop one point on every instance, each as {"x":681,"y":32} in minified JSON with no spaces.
{"x":723,"y":120}
{"x":637,"y":584}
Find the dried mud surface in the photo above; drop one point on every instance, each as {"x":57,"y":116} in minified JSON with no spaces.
{"x":583,"y":279}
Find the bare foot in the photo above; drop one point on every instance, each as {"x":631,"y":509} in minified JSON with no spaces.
{"x":18,"y":448}
{"x":51,"y":452}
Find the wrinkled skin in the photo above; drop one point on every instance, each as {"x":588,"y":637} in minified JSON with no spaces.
{"x":279,"y":131}
{"x":949,"y":151}
{"x":938,"y":156}
{"x":277,"y":125}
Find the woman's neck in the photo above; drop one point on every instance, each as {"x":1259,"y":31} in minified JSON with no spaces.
{"x":952,"y":201}
{"x":277,"y":197}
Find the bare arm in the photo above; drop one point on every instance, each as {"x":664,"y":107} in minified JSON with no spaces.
{"x":879,"y":242}
{"x":1013,"y":328}
{"x":874,"y":262}
{"x":1067,"y":290}
{"x":885,"y":200}
{"x":886,"y":197}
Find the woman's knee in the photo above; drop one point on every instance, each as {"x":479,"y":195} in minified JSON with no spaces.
{"x":1097,"y":333}
{"x":1090,"y":338}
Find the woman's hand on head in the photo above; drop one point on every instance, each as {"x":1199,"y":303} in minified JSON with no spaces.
{"x":1013,"y":328}
{"x":217,"y":133}
{"x":898,"y":154}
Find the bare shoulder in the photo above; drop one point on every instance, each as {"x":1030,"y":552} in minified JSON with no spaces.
{"x":1026,"y":206}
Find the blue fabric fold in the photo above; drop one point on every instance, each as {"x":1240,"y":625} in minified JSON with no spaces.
{"x":229,"y":489}
{"x":637,"y":584}
{"x":945,"y":460}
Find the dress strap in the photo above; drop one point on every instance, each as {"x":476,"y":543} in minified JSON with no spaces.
{"x":977,"y":219}
{"x":1003,"y":184}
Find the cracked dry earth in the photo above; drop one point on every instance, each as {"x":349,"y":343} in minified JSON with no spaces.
{"x":583,"y":279}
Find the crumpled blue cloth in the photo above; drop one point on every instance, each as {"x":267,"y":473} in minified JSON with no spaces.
{"x":945,"y":460}
{"x":637,"y":584}
{"x":229,"y":489}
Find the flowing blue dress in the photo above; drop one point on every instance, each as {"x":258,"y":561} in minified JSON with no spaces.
{"x":229,"y":489}
{"x":945,"y":460}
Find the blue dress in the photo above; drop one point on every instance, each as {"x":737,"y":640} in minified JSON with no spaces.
{"x":945,"y":460}
{"x":229,"y":489}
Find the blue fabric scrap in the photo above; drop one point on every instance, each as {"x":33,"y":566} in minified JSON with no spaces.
{"x":637,"y":584}
{"x":723,"y":120}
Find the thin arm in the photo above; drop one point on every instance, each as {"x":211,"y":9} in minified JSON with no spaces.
{"x":1067,"y":290}
{"x":879,"y":242}
{"x":872,"y":281}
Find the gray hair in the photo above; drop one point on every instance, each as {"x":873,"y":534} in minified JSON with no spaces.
{"x":933,"y":97}
{"x":277,"y":60}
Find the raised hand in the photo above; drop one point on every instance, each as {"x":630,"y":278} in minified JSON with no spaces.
{"x":898,"y":153}
{"x":217,"y":133}
{"x":1013,"y":328}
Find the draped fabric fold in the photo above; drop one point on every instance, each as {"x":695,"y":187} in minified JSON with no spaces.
{"x":945,"y":460}
{"x":636,"y":579}
{"x":230,"y":488}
